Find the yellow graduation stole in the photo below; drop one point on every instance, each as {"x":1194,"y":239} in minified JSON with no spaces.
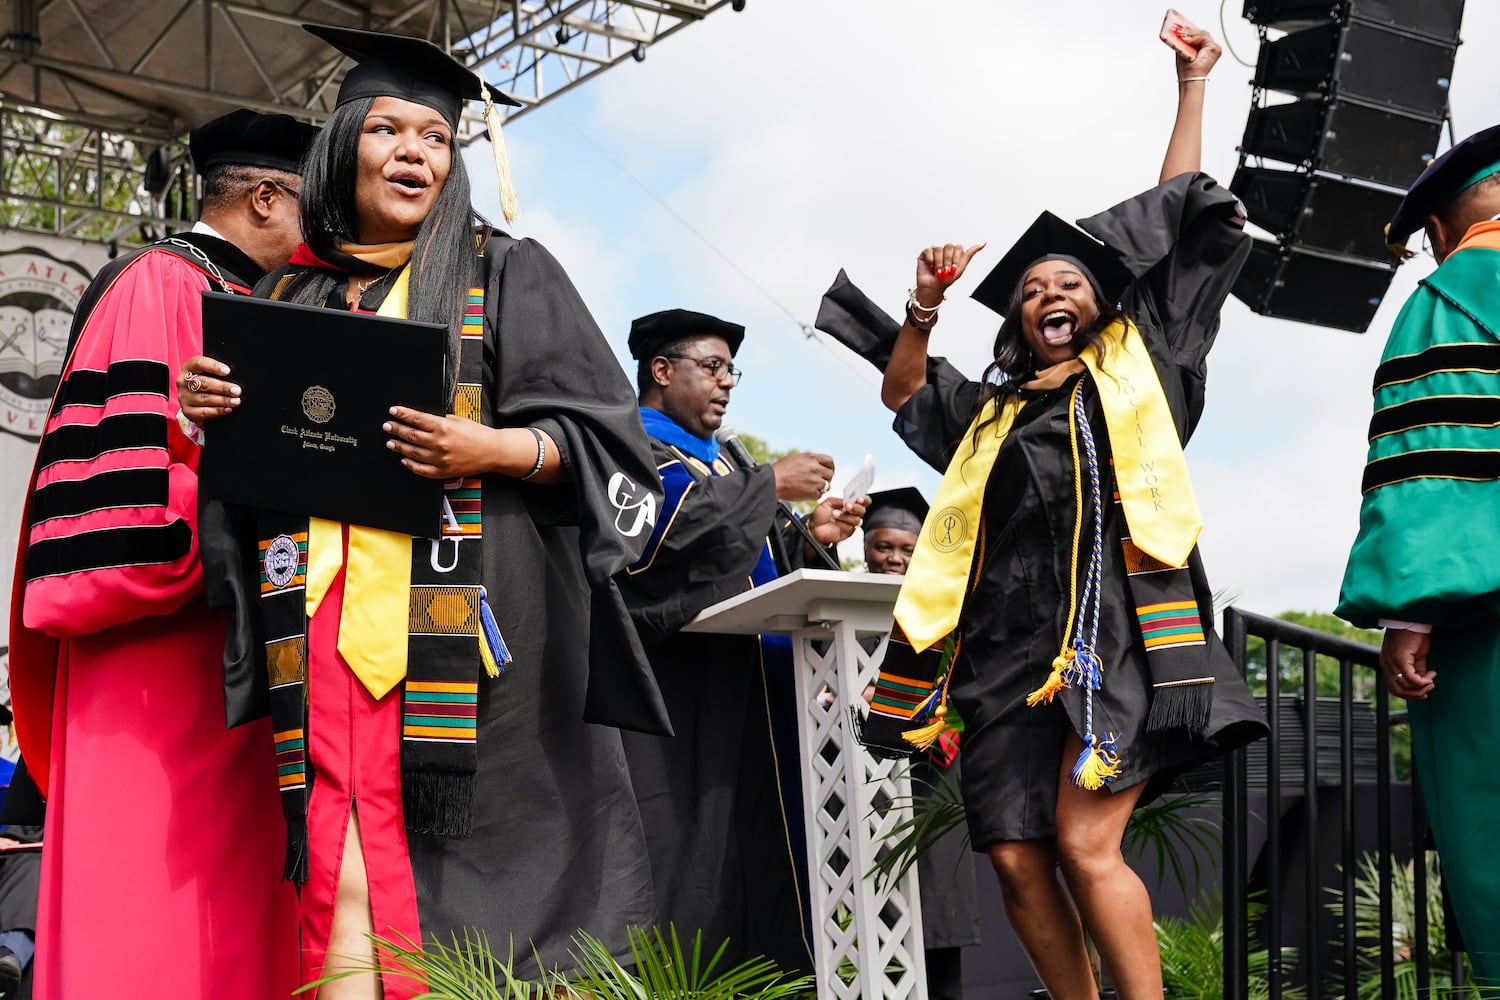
{"x":377,"y":582}
{"x":1156,"y":493}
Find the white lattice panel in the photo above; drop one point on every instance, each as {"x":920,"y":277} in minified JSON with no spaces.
{"x":868,"y":941}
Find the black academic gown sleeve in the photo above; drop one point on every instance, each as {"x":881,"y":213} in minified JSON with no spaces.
{"x":854,"y":320}
{"x":712,"y":531}
{"x":570,"y":385}
{"x":1185,"y":244}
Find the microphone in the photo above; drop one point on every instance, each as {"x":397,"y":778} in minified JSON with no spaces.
{"x":730,"y":442}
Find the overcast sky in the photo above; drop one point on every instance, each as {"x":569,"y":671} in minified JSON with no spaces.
{"x":801,"y":136}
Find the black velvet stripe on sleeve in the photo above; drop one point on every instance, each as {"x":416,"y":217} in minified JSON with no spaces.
{"x":1471,"y":411}
{"x":105,"y":491}
{"x":109,"y":548}
{"x":1437,"y":463}
{"x":86,"y":387}
{"x":1440,"y":358}
{"x":80,"y":443}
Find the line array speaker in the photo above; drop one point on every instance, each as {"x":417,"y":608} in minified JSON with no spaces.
{"x":1312,"y":286}
{"x":1368,"y":82}
{"x":1439,"y":19}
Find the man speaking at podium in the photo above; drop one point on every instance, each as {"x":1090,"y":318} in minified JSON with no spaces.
{"x":721,"y":801}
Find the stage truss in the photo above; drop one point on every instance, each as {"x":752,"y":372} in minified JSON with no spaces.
{"x":97,"y":95}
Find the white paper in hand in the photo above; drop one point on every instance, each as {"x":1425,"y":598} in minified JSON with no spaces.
{"x":862,"y":481}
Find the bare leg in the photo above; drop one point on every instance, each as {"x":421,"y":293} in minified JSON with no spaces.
{"x":1043,"y":917}
{"x":1113,"y":901}
{"x":349,"y":946}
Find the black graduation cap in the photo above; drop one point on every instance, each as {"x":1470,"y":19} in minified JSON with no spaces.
{"x":1460,"y":168}
{"x":255,"y":140}
{"x":412,"y":69}
{"x":1049,"y":238}
{"x":649,"y":333}
{"x":896,"y":509}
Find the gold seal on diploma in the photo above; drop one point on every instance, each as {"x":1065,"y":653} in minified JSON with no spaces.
{"x":317,"y":404}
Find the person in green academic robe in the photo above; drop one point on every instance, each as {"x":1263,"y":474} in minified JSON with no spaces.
{"x":1425,"y":565}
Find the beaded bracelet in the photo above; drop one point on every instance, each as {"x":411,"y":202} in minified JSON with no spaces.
{"x":541,"y":453}
{"x":913,"y":304}
{"x":921,"y":326}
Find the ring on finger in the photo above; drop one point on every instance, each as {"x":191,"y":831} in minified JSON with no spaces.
{"x":193,"y":381}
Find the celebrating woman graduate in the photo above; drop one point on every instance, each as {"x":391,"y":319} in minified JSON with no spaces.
{"x":429,"y":694}
{"x":1058,"y":564}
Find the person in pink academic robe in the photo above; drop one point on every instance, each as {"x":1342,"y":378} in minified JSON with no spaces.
{"x":163,"y":838}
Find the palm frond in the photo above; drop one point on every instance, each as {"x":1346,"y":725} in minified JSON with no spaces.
{"x":1178,"y":829}
{"x":662,"y":970}
{"x":465,"y":970}
{"x":1192,"y":956}
{"x":1371,"y":930}
{"x":936,"y":809}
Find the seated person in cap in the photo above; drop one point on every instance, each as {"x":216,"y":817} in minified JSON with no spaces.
{"x":1060,"y":564}
{"x":721,"y":800}
{"x":425,"y":790}
{"x":1424,"y":564}
{"x":950,"y":901}
{"x":115,"y":655}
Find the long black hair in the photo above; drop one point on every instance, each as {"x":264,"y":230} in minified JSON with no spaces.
{"x":443,"y":258}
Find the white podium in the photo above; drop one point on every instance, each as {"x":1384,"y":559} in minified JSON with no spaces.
{"x":867,"y":933}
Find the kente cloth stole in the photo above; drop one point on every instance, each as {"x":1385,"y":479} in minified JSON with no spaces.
{"x":1161,"y":514}
{"x":435,"y":645}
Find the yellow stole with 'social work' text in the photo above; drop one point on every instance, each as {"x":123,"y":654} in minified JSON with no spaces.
{"x":1156,"y":493}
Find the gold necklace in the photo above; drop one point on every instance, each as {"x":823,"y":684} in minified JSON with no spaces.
{"x":363,"y":286}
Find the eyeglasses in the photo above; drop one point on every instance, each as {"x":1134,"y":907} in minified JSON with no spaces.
{"x":296,"y":195}
{"x":716,"y":367}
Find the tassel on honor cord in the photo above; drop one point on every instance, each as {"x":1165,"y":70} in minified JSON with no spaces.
{"x":1065,"y":670}
{"x":1099,"y":763}
{"x":492,"y":648}
{"x":935,"y":705}
{"x":1079,"y":666}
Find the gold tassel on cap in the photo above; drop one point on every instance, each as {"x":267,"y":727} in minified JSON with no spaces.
{"x":509,"y":204}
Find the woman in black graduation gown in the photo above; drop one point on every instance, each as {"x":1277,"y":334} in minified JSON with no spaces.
{"x":425,"y":790}
{"x":1087,"y":672}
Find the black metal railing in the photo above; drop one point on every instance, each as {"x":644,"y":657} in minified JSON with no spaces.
{"x":1325,"y":775}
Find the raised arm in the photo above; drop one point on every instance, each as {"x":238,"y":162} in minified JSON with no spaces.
{"x":937,"y":268}
{"x":1185,"y":148}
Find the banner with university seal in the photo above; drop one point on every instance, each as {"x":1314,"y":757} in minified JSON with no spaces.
{"x":41,"y":281}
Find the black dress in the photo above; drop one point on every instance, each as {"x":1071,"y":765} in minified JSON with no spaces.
{"x":1183,"y":243}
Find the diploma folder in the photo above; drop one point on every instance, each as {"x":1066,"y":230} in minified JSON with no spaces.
{"x":317,"y":385}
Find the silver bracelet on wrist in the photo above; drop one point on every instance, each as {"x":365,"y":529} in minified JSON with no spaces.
{"x":1192,"y":79}
{"x":541,"y":453}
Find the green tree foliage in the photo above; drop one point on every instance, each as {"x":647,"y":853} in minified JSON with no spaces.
{"x":1326,"y":671}
{"x":81,"y":170}
{"x":761,"y":451}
